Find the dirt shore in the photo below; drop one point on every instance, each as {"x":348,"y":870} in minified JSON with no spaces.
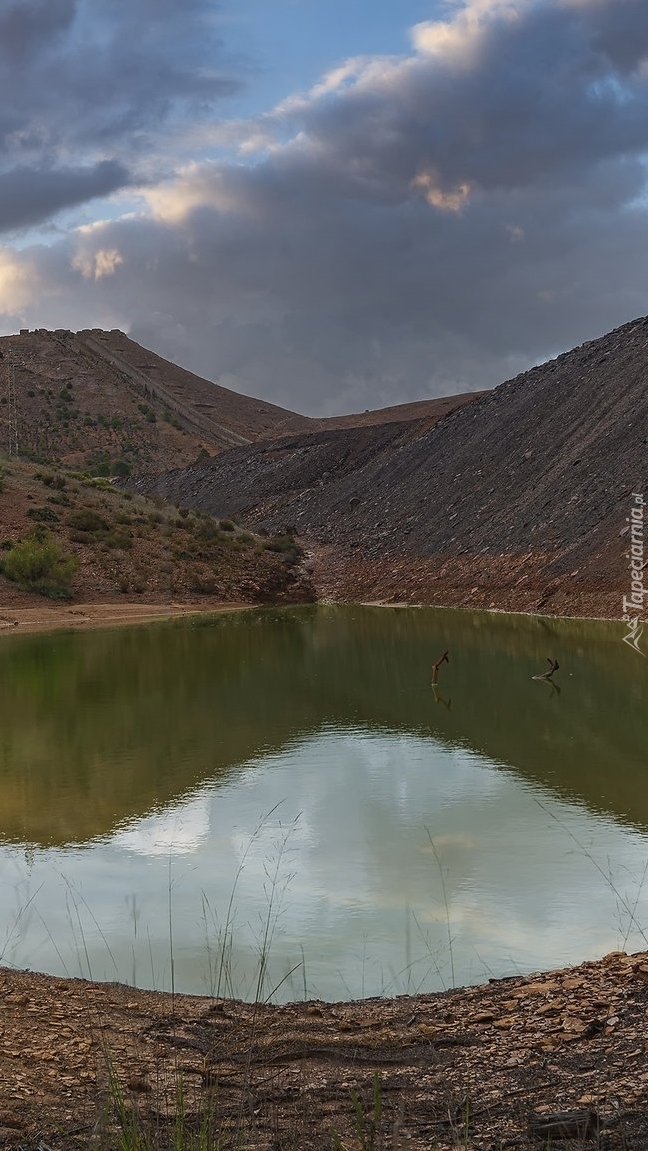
{"x":81,"y":617}
{"x":557,"y":1059}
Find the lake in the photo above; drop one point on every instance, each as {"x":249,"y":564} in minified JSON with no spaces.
{"x":277,"y":803}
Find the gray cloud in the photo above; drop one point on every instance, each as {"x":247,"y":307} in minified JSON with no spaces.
{"x":413,"y":226}
{"x":85,"y":84}
{"x":28,"y":195}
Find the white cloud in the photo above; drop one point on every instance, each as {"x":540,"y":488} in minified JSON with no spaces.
{"x":95,"y":265}
{"x":18,"y":284}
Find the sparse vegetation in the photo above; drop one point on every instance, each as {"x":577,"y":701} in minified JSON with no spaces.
{"x":129,"y":544}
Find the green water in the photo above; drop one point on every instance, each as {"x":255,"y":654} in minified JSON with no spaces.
{"x":387,"y":838}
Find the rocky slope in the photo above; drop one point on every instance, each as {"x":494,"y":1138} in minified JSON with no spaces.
{"x":519,"y":499}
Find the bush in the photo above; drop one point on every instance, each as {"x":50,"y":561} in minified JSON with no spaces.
{"x":42,"y":515}
{"x":287,"y":547}
{"x":86,"y":520}
{"x":283,"y":543}
{"x":38,"y":564}
{"x":226,"y":525}
{"x":207,"y":530}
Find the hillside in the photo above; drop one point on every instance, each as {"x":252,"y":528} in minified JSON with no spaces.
{"x":86,"y":408}
{"x":517,"y":500}
{"x":67,"y":536}
{"x":98,"y":400}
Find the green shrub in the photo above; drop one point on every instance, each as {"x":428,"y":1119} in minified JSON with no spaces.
{"x":284,"y":544}
{"x":42,"y":515}
{"x":85,"y":520}
{"x":207,"y":530}
{"x":226,"y":525}
{"x":120,"y":538}
{"x":38,"y":564}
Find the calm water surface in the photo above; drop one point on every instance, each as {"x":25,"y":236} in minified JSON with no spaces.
{"x":286,"y":784}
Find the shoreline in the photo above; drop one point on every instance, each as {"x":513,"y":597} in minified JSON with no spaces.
{"x":90,"y":616}
{"x":523,"y":1062}
{"x":486,"y":610}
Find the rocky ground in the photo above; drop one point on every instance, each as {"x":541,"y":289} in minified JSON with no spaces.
{"x":554,"y":1060}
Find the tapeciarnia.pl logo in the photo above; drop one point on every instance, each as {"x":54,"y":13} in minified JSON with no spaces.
{"x":633,"y":607}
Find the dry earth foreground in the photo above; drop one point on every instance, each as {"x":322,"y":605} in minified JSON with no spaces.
{"x":554,"y":1060}
{"x":517,"y":501}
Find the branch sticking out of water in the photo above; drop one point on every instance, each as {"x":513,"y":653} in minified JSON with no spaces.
{"x":445,"y":658}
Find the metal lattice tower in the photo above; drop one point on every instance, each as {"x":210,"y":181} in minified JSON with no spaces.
{"x":12,"y":406}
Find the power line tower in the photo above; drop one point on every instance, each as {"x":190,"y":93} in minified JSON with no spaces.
{"x":12,"y":408}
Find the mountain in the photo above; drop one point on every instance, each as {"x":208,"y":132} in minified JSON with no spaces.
{"x":97,"y":400}
{"x":83,"y":409}
{"x":519,"y":499}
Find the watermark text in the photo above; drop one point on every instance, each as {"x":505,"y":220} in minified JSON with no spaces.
{"x":633,"y":604}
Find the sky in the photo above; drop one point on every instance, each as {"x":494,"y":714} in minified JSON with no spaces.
{"x":332,"y":205}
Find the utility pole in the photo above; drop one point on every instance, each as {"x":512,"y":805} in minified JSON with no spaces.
{"x":13,"y":411}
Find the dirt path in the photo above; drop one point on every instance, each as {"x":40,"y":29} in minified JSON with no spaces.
{"x":516,"y":1063}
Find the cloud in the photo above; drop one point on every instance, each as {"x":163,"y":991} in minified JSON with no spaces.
{"x":94,"y":265}
{"x":30,"y":195}
{"x":18,"y":284}
{"x":413,"y":225}
{"x":91,"y":88}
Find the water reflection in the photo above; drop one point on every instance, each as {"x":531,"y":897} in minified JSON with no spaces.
{"x":136,"y":769}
